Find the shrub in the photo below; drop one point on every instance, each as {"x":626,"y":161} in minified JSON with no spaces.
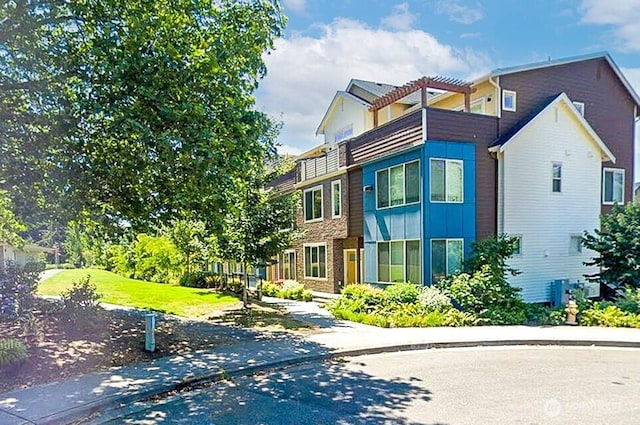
{"x":538,"y":314}
{"x":270,"y":289}
{"x":293,"y":290}
{"x":631,"y":301}
{"x":401,"y":293}
{"x":432,"y":298}
{"x":201,"y":279}
{"x":358,"y":298}
{"x":235,"y":285}
{"x":12,"y":351}
{"x":609,"y":316}
{"x":80,"y":303}
{"x":17,"y":288}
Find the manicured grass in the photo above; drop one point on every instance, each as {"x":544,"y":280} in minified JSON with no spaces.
{"x":115,"y":289}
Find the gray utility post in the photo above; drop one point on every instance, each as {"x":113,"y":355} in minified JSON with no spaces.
{"x":149,"y":335}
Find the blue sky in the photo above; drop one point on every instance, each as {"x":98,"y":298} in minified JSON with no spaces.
{"x":328,"y":42}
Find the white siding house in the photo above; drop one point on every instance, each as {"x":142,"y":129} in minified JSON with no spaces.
{"x":549,"y":193}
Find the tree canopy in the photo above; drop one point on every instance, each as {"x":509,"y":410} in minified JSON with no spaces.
{"x":137,"y":112}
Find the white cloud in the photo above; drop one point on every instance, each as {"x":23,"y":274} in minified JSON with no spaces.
{"x":297,"y":6}
{"x":304,"y":72}
{"x":458,"y":12}
{"x":291,"y":150}
{"x":401,"y":19}
{"x":622,"y":15}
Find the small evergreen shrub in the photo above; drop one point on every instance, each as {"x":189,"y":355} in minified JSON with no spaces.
{"x":630,"y":302}
{"x":401,"y":293}
{"x":293,"y":290}
{"x":80,"y":303}
{"x":201,"y":279}
{"x":12,"y":351}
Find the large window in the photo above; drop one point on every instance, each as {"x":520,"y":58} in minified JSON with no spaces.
{"x":336,"y":199}
{"x":446,"y":180}
{"x":446,"y":257}
{"x":556,"y":177}
{"x":399,"y":261}
{"x":398,"y":185}
{"x":343,"y":133}
{"x":612,"y":186}
{"x":315,"y":261}
{"x":313,"y":204}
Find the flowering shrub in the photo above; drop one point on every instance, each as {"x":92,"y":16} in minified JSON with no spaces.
{"x":17,"y":288}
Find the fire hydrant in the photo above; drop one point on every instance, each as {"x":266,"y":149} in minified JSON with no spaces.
{"x":572,"y":311}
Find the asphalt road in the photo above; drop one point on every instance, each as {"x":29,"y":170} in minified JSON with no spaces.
{"x":547,"y":385}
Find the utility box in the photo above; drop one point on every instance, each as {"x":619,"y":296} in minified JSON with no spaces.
{"x":561,"y":290}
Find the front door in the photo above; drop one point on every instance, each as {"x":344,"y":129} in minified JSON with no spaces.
{"x":350,"y":266}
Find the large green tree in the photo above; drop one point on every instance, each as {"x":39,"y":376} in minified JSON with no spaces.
{"x":135,"y":111}
{"x":618,"y":244}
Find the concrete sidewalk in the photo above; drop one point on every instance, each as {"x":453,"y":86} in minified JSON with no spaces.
{"x":78,"y":398}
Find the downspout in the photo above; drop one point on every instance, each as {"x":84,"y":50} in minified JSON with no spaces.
{"x":498,"y":97}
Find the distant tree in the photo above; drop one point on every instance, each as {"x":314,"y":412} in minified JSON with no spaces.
{"x":617,"y":243}
{"x":139,"y":112}
{"x":190,"y":237}
{"x":259,"y":225}
{"x":10,"y":227}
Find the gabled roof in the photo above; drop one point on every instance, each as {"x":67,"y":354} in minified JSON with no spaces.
{"x":380,"y":89}
{"x":339,"y":95}
{"x":500,"y":143}
{"x":565,"y":61}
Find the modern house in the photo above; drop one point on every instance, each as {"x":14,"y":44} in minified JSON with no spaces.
{"x":409,"y":177}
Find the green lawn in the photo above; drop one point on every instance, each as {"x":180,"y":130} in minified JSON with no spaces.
{"x":115,"y":289}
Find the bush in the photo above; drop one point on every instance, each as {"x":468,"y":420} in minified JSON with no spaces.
{"x":293,"y":290}
{"x":12,"y":351}
{"x":432,"y":298}
{"x":235,"y":285}
{"x":17,"y":289}
{"x":80,"y":303}
{"x":538,"y":314}
{"x":630,"y":302}
{"x":202,"y":279}
{"x":612,"y":316}
{"x":401,"y":293}
{"x":270,"y":289}
{"x":357,"y":298}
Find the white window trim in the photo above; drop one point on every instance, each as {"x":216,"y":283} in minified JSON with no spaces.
{"x":446,"y":160}
{"x":581,"y":251}
{"x":333,"y":205}
{"x":304,"y":261}
{"x":579,"y":107}
{"x":404,"y":182}
{"x":613,"y":170}
{"x":404,"y":258}
{"x":505,"y":93}
{"x":553,"y":164}
{"x":446,"y":258}
{"x":304,"y":206}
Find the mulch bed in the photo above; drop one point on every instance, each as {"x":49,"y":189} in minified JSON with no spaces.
{"x":59,"y":350}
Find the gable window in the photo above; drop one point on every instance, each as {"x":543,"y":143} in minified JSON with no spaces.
{"x":612,"y":186}
{"x":399,"y":185}
{"x":580,"y":107}
{"x":313,"y":204}
{"x":508,"y":100}
{"x":446,"y":180}
{"x":556,"y":177}
{"x":336,"y":199}
{"x":315,"y":261}
{"x":399,"y":261}
{"x":343,"y":133}
{"x":575,"y":244}
{"x":446,"y":257}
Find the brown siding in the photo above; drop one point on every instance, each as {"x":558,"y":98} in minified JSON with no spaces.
{"x":608,"y":106}
{"x":354,"y":195}
{"x":386,"y":138}
{"x":284,"y":183}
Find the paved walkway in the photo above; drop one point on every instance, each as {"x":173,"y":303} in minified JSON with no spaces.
{"x":79,"y":397}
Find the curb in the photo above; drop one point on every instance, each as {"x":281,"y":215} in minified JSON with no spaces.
{"x":82,"y":414}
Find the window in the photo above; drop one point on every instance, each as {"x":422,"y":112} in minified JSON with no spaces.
{"x":477,"y":106}
{"x":343,"y":133}
{"x":289,"y":265}
{"x":612,"y":186}
{"x":336,"y":199}
{"x":556,"y":177}
{"x":399,"y":261}
{"x":509,"y":100}
{"x":399,"y":185}
{"x":580,"y":107}
{"x":575,"y":244}
{"x":446,"y":257}
{"x":315,"y":261}
{"x":446,"y":180}
{"x":517,"y":250}
{"x":313,"y":204}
